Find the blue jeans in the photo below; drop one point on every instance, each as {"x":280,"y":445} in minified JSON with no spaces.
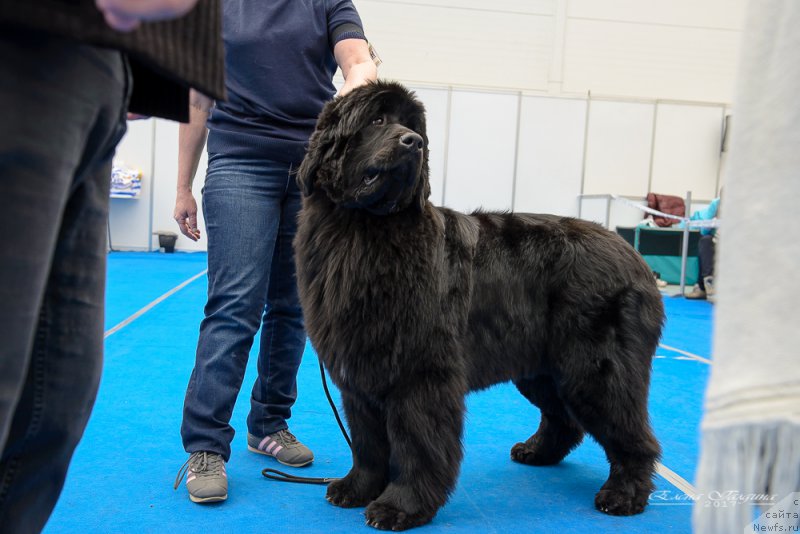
{"x":63,"y":111}
{"x":250,"y":208}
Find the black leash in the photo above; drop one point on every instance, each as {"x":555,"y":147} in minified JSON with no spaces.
{"x":280,"y":476}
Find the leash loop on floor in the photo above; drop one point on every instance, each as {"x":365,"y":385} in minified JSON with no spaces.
{"x":280,"y":476}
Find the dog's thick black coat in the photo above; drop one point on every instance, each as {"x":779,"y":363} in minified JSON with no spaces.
{"x":411,"y":306}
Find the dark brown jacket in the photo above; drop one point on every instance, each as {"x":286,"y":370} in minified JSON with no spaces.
{"x":166,"y":58}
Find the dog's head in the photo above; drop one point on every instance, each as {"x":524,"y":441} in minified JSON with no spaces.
{"x":370,"y":151}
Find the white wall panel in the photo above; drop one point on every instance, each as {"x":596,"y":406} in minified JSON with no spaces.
{"x":129,"y":219}
{"x":618,"y":148}
{"x":728,"y":14}
{"x":435,"y":44}
{"x":550,"y":157}
{"x":687,"y":150}
{"x":622,"y":214}
{"x":436,"y":101}
{"x":650,"y":61}
{"x":481,"y":148}
{"x":166,"y":160}
{"x":595,"y":209}
{"x":541,"y":7}
{"x":611,"y":213}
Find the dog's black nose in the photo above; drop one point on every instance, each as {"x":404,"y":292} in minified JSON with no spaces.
{"x":411,"y":141}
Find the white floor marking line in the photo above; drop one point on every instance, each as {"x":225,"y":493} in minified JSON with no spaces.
{"x":678,"y":481}
{"x":689,"y":354}
{"x":147,"y":308}
{"x":669,"y":475}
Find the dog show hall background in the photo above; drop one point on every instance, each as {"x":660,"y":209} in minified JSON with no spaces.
{"x":531,"y":103}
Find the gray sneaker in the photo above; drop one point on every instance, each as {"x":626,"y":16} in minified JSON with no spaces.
{"x":283,"y":446}
{"x":206,"y":479}
{"x":708,"y":282}
{"x":696,"y":294}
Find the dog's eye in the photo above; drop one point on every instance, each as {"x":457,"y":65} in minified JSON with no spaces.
{"x":378,"y":121}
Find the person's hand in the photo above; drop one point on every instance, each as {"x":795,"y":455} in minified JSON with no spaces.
{"x":126,"y":15}
{"x":137,"y":117}
{"x":186,"y":215}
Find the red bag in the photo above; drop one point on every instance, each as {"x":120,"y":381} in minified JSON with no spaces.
{"x":666,"y":204}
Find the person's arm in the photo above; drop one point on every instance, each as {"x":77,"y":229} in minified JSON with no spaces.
{"x":191,"y":140}
{"x":126,"y":15}
{"x":707,"y":213}
{"x":357,"y":65}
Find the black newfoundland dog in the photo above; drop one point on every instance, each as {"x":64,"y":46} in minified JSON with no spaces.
{"x":411,"y":306}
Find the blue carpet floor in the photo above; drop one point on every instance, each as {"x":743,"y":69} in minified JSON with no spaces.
{"x":122,"y":474}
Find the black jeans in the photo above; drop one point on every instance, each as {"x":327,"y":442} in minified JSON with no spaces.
{"x":62,"y":112}
{"x":705,"y":259}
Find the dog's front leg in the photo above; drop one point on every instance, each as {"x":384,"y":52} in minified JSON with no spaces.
{"x":370,"y":472}
{"x":424,"y":418}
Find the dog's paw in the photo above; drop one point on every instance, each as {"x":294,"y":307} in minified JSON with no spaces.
{"x":385,"y":516}
{"x":346,"y":494}
{"x":534,"y":455}
{"x":616,"y":502}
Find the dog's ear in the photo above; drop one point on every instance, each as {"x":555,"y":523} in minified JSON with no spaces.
{"x":318,"y":147}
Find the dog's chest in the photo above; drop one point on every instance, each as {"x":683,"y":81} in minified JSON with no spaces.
{"x":365,"y":374}
{"x":368,"y":309}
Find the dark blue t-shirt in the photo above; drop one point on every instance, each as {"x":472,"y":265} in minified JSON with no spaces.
{"x":279,"y":66}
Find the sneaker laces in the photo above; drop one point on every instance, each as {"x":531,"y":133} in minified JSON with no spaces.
{"x":202,"y":464}
{"x":285,"y":438}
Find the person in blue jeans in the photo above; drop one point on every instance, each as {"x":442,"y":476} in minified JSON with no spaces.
{"x":280,"y":58}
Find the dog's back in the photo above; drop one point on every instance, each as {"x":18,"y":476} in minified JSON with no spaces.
{"x":540,"y":283}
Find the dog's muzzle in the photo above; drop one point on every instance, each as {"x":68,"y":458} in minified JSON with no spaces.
{"x":389,"y":190}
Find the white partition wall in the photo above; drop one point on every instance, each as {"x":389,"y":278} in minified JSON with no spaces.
{"x":166,"y":160}
{"x":128,"y":218}
{"x":550,"y":155}
{"x":618,"y":148}
{"x":496,"y":151}
{"x":436,"y":103}
{"x":610,"y":211}
{"x":686,"y":156}
{"x":481,"y":151}
{"x":623,"y":214}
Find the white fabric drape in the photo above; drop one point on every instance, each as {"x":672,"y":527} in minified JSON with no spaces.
{"x":751,"y":428}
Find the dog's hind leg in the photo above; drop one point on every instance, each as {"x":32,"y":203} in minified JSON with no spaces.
{"x":558,"y":432}
{"x":424,"y":420}
{"x":370,"y":472}
{"x":608,"y":397}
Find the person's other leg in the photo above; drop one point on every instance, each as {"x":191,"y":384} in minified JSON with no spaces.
{"x":283,"y":336}
{"x":63,"y":114}
{"x":705,"y":256}
{"x":283,"y":340}
{"x":241,"y":205}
